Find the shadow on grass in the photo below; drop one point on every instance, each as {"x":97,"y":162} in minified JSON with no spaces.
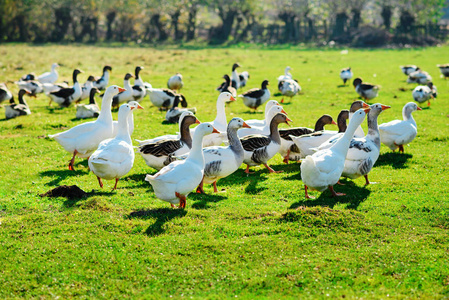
{"x":162,"y":215}
{"x":71,"y":202}
{"x":61,"y":175}
{"x":395,"y":159}
{"x":136,"y":180}
{"x":354,"y":196}
{"x":203,"y":201}
{"x":254,"y":179}
{"x":342,"y":85}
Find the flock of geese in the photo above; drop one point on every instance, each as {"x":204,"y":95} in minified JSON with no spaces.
{"x":202,"y":155}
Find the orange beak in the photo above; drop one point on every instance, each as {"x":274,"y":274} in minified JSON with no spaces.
{"x":215,"y":130}
{"x":283,"y":111}
{"x":246,"y":125}
{"x":232,"y":98}
{"x":384,"y":107}
{"x":333,"y":122}
{"x":366,"y":110}
{"x":419,"y":108}
{"x":139,"y":106}
{"x":287,"y":120}
{"x":121,"y":89}
{"x":364,"y":105}
{"x":197,"y":121}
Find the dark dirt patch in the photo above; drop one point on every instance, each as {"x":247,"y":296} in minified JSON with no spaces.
{"x":70,"y":192}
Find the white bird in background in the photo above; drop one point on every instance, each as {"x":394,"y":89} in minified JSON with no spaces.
{"x":175,"y":82}
{"x":49,"y":77}
{"x":345,"y":74}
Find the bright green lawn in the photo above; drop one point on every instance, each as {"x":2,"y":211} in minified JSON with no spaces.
{"x":260,"y":238}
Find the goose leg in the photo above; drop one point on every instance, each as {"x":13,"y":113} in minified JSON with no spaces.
{"x":282,"y":101}
{"x":200,"y":189}
{"x":215,"y":187}
{"x":335,"y":194}
{"x":271,"y":169}
{"x":338,"y":182}
{"x":307,"y":194}
{"x":401,"y":148}
{"x":182,"y":200}
{"x":100,"y":182}
{"x":247,"y":170}
{"x":286,"y":157}
{"x":428,"y":102}
{"x":72,"y":161}
{"x":367,"y":180}
{"x":115,"y":186}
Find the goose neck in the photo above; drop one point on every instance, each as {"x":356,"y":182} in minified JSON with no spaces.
{"x":185,"y":133}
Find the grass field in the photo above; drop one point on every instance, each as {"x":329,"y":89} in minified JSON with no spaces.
{"x":259,"y":238}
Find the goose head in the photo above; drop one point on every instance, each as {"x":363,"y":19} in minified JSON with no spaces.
{"x":237,"y":123}
{"x":357,"y":81}
{"x":287,"y":70}
{"x":23,"y":92}
{"x":225,"y":97}
{"x":113,"y":90}
{"x":134,"y":105}
{"x":90,"y":78}
{"x":93,"y":91}
{"x":75,"y":74}
{"x":204,"y":129}
{"x":265,"y":84}
{"x":54,"y":66}
{"x":128,"y":76}
{"x":274,"y":110}
{"x":410,"y":107}
{"x":356,"y":105}
{"x":227,"y":79}
{"x":188,"y":118}
{"x":270,"y":104}
{"x":281,"y":118}
{"x":357,"y":118}
{"x":182,"y":100}
{"x":376,"y":109}
{"x":235,"y":66}
{"x":107,"y":68}
{"x":137,"y":71}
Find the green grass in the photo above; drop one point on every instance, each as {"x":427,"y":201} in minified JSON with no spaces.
{"x":260,"y":238}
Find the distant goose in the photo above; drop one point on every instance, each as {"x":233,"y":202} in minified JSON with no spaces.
{"x":287,"y":75}
{"x":256,"y":97}
{"x":444,"y":69}
{"x":102,"y":82}
{"x":175,"y":82}
{"x":64,"y":97}
{"x":5,"y":94}
{"x":33,"y":86}
{"x":255,"y":123}
{"x":139,"y":90}
{"x":91,"y":110}
{"x":367,"y":91}
{"x":164,"y":98}
{"x":126,"y":95}
{"x":85,"y":89}
{"x":49,"y":77}
{"x":227,"y":87}
{"x":235,"y":78}
{"x":14,"y":110}
{"x":243,"y":77}
{"x":423,"y":93}
{"x":408,"y":69}
{"x":173,"y":114}
{"x":265,"y":130}
{"x":28,"y":77}
{"x":346,"y":74}
{"x":289,"y":88}
{"x":419,"y":76}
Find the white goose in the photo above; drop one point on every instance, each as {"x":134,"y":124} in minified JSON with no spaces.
{"x":219,"y":123}
{"x":345,"y":75}
{"x":423,"y":93}
{"x":139,"y":90}
{"x":14,"y":110}
{"x":323,"y":169}
{"x":126,"y":95}
{"x":64,"y":97}
{"x":395,"y":134}
{"x":274,"y":110}
{"x":287,"y":75}
{"x":91,"y":110}
{"x":175,"y":181}
{"x":253,"y":98}
{"x":261,"y":123}
{"x":259,"y":149}
{"x":364,"y":152}
{"x":102,"y":82}
{"x":114,"y":157}
{"x":49,"y":77}
{"x":130,"y":120}
{"x":156,"y":153}
{"x":5,"y":94}
{"x":288,"y":150}
{"x":175,"y":82}
{"x":82,"y":140}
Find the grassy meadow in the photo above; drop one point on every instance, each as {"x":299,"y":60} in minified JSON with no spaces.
{"x":259,"y":236}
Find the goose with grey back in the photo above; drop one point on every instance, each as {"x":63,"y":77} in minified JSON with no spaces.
{"x":423,"y":93}
{"x":256,"y":97}
{"x":366,"y":90}
{"x":364,"y":152}
{"x":444,"y":69}
{"x":323,"y":169}
{"x":175,"y":82}
{"x":408,"y":69}
{"x":259,"y":149}
{"x":397,"y":133}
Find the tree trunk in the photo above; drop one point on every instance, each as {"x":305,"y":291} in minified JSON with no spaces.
{"x":227,"y":18}
{"x":23,"y":31}
{"x":386,"y":14}
{"x":110,"y":17}
{"x":340,"y":24}
{"x":191,"y":23}
{"x":156,"y":21}
{"x":355,"y":20}
{"x":406,"y":22}
{"x":175,"y":22}
{"x":62,"y":23}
